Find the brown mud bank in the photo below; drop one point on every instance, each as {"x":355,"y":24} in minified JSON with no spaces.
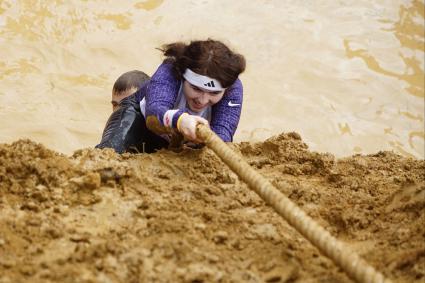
{"x":185,"y":217}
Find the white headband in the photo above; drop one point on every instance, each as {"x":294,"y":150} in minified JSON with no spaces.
{"x":202,"y":81}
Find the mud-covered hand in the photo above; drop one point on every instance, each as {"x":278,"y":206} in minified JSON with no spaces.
{"x":187,"y":126}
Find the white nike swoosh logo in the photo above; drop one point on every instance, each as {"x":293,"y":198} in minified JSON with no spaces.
{"x":233,"y":104}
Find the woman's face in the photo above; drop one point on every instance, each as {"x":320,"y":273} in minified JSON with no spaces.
{"x":198,"y":98}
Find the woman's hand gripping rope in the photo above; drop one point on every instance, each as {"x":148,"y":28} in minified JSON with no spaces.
{"x":186,"y":124}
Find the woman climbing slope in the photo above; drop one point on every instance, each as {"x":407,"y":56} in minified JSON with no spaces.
{"x":196,"y":83}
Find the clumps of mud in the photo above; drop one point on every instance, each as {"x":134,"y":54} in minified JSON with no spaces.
{"x":185,"y":217}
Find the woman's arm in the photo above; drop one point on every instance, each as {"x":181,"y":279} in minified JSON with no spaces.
{"x":226,"y":113}
{"x":161,"y":94}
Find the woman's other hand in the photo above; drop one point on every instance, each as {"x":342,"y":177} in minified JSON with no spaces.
{"x":187,"y":126}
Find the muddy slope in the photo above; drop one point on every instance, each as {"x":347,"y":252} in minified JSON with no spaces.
{"x":184,"y":217}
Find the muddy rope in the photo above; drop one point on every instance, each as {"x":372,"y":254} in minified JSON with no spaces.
{"x":349,"y":261}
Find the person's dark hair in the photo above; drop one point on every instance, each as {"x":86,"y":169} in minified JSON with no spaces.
{"x":210,"y":58}
{"x":128,"y":80}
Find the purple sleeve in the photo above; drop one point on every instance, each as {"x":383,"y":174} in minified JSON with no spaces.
{"x":226,"y":113}
{"x":162,"y":92}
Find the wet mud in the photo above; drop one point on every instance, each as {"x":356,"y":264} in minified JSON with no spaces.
{"x":97,"y":216}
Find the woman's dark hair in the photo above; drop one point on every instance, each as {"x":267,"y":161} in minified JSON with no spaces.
{"x":210,"y":58}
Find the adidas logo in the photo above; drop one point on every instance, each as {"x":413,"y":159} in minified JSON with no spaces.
{"x":210,"y":84}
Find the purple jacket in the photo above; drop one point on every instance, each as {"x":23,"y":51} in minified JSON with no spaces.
{"x":161,"y":93}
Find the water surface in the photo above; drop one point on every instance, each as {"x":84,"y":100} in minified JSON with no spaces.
{"x":347,"y":75}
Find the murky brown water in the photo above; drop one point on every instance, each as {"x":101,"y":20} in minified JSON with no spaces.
{"x":347,"y":75}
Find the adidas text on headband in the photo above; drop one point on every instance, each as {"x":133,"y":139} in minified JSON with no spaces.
{"x":202,"y":81}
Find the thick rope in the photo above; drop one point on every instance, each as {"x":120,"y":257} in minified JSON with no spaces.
{"x":349,"y":261}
